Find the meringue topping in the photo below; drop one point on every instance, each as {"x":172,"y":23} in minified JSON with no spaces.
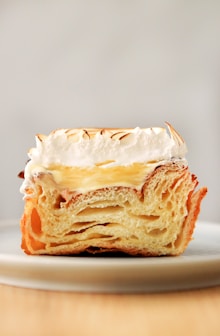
{"x":96,"y":153}
{"x":86,"y":148}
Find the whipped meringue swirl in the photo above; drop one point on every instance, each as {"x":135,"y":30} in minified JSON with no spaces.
{"x":106,"y":147}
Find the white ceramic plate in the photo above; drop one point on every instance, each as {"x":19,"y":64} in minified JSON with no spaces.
{"x":198,"y":267}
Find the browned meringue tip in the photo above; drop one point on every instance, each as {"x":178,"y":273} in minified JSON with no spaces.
{"x":41,"y":137}
{"x":174,"y":134}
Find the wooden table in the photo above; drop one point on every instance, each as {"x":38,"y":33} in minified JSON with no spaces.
{"x":37,"y":312}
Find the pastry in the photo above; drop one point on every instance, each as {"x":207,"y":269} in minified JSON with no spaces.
{"x":109,"y":190}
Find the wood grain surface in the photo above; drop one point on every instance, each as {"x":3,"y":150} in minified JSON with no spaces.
{"x":37,"y":312}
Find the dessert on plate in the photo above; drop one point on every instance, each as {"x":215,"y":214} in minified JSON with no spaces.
{"x":109,"y":190}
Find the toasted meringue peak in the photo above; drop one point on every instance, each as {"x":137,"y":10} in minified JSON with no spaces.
{"x":175,"y":135}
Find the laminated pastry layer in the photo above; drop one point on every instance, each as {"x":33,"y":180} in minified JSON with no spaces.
{"x":158,"y":219}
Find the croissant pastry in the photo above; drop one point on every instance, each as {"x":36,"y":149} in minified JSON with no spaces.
{"x":109,"y":190}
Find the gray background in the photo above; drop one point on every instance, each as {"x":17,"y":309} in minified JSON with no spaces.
{"x":109,"y":64}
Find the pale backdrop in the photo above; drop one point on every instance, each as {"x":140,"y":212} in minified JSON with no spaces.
{"x":109,"y":63}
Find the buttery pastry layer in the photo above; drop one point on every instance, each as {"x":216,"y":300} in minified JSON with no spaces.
{"x":157,"y":220}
